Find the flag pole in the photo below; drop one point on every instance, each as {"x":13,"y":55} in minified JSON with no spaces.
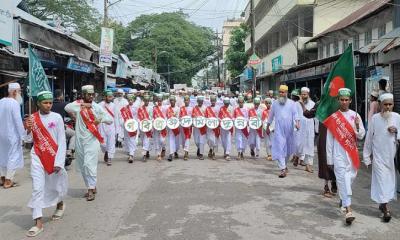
{"x":354,"y":77}
{"x":30,"y":88}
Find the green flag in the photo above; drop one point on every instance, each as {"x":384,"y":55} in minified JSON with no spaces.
{"x":341,"y":76}
{"x":37,"y":77}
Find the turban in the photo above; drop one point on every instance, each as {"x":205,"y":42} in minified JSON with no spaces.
{"x":283,"y":88}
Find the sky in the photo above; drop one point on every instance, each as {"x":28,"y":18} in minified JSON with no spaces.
{"x":208,"y":13}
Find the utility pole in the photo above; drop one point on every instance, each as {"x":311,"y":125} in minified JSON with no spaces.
{"x":169,"y":80}
{"x":219,"y":74}
{"x":253,"y":44}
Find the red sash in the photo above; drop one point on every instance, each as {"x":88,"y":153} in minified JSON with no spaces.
{"x":253,"y":113}
{"x":265,"y":115}
{"x":344,"y":133}
{"x":223,"y":113}
{"x":170,"y":114}
{"x":43,"y":144}
{"x":89,"y":119}
{"x":197,"y":113}
{"x":126,"y":114}
{"x":187,"y":131}
{"x":144,"y":115}
{"x":238,"y":113}
{"x":109,"y":111}
{"x":210,"y":113}
{"x":157,"y":113}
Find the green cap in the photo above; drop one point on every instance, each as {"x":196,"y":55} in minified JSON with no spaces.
{"x":131,"y":96}
{"x":172,"y":97}
{"x":44,"y":95}
{"x":344,"y":92}
{"x":295,"y":92}
{"x":257,"y":100}
{"x":213,"y":98}
{"x":108,"y":93}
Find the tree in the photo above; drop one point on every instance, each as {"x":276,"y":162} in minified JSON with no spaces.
{"x":169,"y":40}
{"x":77,"y":15}
{"x":236,"y":57}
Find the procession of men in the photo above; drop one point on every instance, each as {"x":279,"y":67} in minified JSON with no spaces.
{"x":285,"y":126}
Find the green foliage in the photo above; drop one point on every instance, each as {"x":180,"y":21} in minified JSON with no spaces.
{"x":236,"y":57}
{"x":171,"y":40}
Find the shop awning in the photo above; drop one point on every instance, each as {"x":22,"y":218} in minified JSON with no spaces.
{"x":14,"y":74}
{"x":387,"y":42}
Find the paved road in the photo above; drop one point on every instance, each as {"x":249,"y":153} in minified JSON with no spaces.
{"x":196,"y":200}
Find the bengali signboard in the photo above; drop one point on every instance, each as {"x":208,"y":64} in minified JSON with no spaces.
{"x":106,"y":46}
{"x":276,"y":63}
{"x":7,"y":8}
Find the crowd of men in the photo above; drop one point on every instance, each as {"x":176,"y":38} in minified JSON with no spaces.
{"x":164,"y":124}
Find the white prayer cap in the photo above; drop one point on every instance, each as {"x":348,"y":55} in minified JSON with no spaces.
{"x":120,"y":90}
{"x":268,"y":100}
{"x":88,"y":88}
{"x":271,"y":91}
{"x":226,"y":99}
{"x":134,"y":91}
{"x":386,"y":96}
{"x":375,"y":93}
{"x":13,"y":86}
{"x":305,"y":89}
{"x":200,"y":98}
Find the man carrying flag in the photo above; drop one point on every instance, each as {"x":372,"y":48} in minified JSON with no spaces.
{"x":212,"y":134}
{"x":49,"y":178}
{"x":241,"y":135}
{"x":344,"y":128}
{"x":186,"y":132}
{"x":129,"y":112}
{"x":226,"y":135}
{"x":107,"y":131}
{"x":88,"y":138}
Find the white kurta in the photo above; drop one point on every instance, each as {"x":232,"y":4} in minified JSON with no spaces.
{"x":48,"y":190}
{"x":130,"y":142}
{"x":12,"y":132}
{"x":343,"y":167}
{"x":173,"y":141}
{"x":108,"y":131}
{"x":212,"y":140}
{"x":199,"y":139}
{"x":226,"y":136}
{"x":119,"y":103}
{"x":381,"y":145}
{"x":158,"y":139}
{"x":306,"y":135}
{"x":87,"y":146}
{"x":185,"y":142}
{"x":146,"y":144}
{"x":254,"y":137}
{"x":240,"y":139}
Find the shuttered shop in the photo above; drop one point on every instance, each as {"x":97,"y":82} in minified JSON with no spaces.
{"x":396,"y":86}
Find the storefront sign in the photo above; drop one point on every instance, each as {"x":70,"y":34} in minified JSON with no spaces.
{"x":6,"y":21}
{"x":106,"y":46}
{"x":277,"y":63}
{"x":75,"y":64}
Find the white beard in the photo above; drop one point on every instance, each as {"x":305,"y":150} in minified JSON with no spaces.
{"x":19,"y":99}
{"x":386,"y":115}
{"x":282,"y":100}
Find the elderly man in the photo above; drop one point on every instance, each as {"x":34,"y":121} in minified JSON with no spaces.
{"x":173,"y":134}
{"x":241,"y":136}
{"x":88,"y":138}
{"x":12,"y":131}
{"x":49,"y":178}
{"x":199,"y":134}
{"x":212,"y":111}
{"x":186,"y":132}
{"x":107,"y":131}
{"x":284,"y":114}
{"x":255,"y":135}
{"x":380,"y":145}
{"x":307,"y":131}
{"x":119,"y":102}
{"x":338,"y":158}
{"x":129,"y":112}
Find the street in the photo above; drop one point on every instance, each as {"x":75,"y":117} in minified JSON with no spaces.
{"x":198,"y":200}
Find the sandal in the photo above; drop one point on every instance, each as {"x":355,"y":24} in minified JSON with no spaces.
{"x":34,"y":231}
{"x":283,"y":174}
{"x":90,"y":196}
{"x":58,"y":213}
{"x":386,"y":216}
{"x":9,"y":184}
{"x":349,"y":218}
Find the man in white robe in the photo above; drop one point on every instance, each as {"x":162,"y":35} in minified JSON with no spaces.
{"x":255,"y":135}
{"x":306,"y":131}
{"x":338,"y":158}
{"x":185,"y":133}
{"x":49,"y":178}
{"x":88,"y":116}
{"x":212,"y":134}
{"x":226,"y":111}
{"x":108,"y":131}
{"x":159,"y":137}
{"x":130,"y":138}
{"x":119,"y":102}
{"x":12,"y":132}
{"x":173,"y":135}
{"x":241,"y":135}
{"x":380,"y":150}
{"x":145,"y":112}
{"x":199,"y":134}
{"x":267,"y":137}
{"x":284,"y":113}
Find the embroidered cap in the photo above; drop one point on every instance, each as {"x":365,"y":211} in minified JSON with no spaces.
{"x":344,"y":92}
{"x":44,"y":95}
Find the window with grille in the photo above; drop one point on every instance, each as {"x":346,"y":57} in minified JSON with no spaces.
{"x":367,"y":37}
{"x":345,"y":44}
{"x":336,"y":47}
{"x":356,"y":42}
{"x":381,"y":30}
{"x":328,"y":50}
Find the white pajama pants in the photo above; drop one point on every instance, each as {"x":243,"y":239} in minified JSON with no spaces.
{"x":130,"y":143}
{"x":241,"y":141}
{"x":159,"y":142}
{"x":108,"y":133}
{"x":7,"y":173}
{"x":254,"y":141}
{"x":268,"y":144}
{"x":212,"y":140}
{"x":145,"y":143}
{"x":226,"y":141}
{"x":308,"y":159}
{"x":199,"y":139}
{"x":173,"y":142}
